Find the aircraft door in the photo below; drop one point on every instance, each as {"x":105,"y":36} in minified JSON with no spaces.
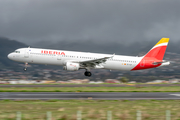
{"x":26,"y":53}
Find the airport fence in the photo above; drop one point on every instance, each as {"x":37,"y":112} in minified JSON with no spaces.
{"x":139,"y":115}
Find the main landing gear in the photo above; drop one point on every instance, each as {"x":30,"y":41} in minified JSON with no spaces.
{"x":25,"y":66}
{"x":87,"y":73}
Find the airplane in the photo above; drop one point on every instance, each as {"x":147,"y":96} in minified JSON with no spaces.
{"x":73,"y":61}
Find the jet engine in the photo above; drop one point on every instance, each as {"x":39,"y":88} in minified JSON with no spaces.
{"x":71,"y":66}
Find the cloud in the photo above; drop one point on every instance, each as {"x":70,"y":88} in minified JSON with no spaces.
{"x":164,"y":29}
{"x":99,"y":20}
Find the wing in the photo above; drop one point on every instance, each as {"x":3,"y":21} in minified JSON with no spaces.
{"x":93,"y":63}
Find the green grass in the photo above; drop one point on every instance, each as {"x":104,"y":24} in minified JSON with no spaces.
{"x":91,"y":109}
{"x":94,"y":84}
{"x":92,"y":89}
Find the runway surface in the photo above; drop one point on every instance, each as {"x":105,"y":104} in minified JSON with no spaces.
{"x":90,"y":95}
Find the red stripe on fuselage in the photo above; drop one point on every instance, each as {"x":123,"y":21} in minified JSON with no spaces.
{"x":154,"y":55}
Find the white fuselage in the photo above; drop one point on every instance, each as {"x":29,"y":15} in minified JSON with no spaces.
{"x":61,"y":57}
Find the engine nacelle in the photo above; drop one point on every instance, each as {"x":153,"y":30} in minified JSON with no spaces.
{"x":71,"y":66}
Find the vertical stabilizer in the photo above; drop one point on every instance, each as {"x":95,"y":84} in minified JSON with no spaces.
{"x":154,"y":58}
{"x":159,"y":49}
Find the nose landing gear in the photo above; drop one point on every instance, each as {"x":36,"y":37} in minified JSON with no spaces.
{"x":25,"y":66}
{"x":87,"y":73}
{"x":24,"y":69}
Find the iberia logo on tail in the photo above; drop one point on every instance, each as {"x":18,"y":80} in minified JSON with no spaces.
{"x":154,"y":58}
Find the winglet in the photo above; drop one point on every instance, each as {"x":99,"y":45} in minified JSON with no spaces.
{"x":112,"y":55}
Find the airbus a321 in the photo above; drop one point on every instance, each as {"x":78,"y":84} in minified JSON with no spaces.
{"x":72,"y":61}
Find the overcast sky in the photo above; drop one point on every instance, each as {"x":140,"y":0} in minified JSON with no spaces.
{"x":29,"y":21}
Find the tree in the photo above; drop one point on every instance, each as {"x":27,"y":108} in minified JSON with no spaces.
{"x":124,"y":79}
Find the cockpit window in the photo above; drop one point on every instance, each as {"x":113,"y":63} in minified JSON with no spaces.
{"x":17,"y":51}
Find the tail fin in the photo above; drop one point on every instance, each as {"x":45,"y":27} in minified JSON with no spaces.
{"x":158,"y":50}
{"x":154,"y":58}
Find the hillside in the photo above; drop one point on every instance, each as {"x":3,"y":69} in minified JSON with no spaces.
{"x":89,"y":46}
{"x":6,"y":47}
{"x":119,"y":48}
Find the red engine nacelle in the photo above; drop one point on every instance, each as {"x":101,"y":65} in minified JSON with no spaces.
{"x":71,"y":66}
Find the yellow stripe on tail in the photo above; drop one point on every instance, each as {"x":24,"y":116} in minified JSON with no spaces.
{"x":163,"y":40}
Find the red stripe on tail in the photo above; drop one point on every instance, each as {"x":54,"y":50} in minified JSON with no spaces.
{"x":154,"y":55}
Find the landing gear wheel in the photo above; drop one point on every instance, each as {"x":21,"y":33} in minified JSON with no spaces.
{"x":25,"y":66}
{"x":87,"y":73}
{"x":25,"y":69}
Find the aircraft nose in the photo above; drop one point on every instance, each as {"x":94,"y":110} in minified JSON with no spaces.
{"x":9,"y":56}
